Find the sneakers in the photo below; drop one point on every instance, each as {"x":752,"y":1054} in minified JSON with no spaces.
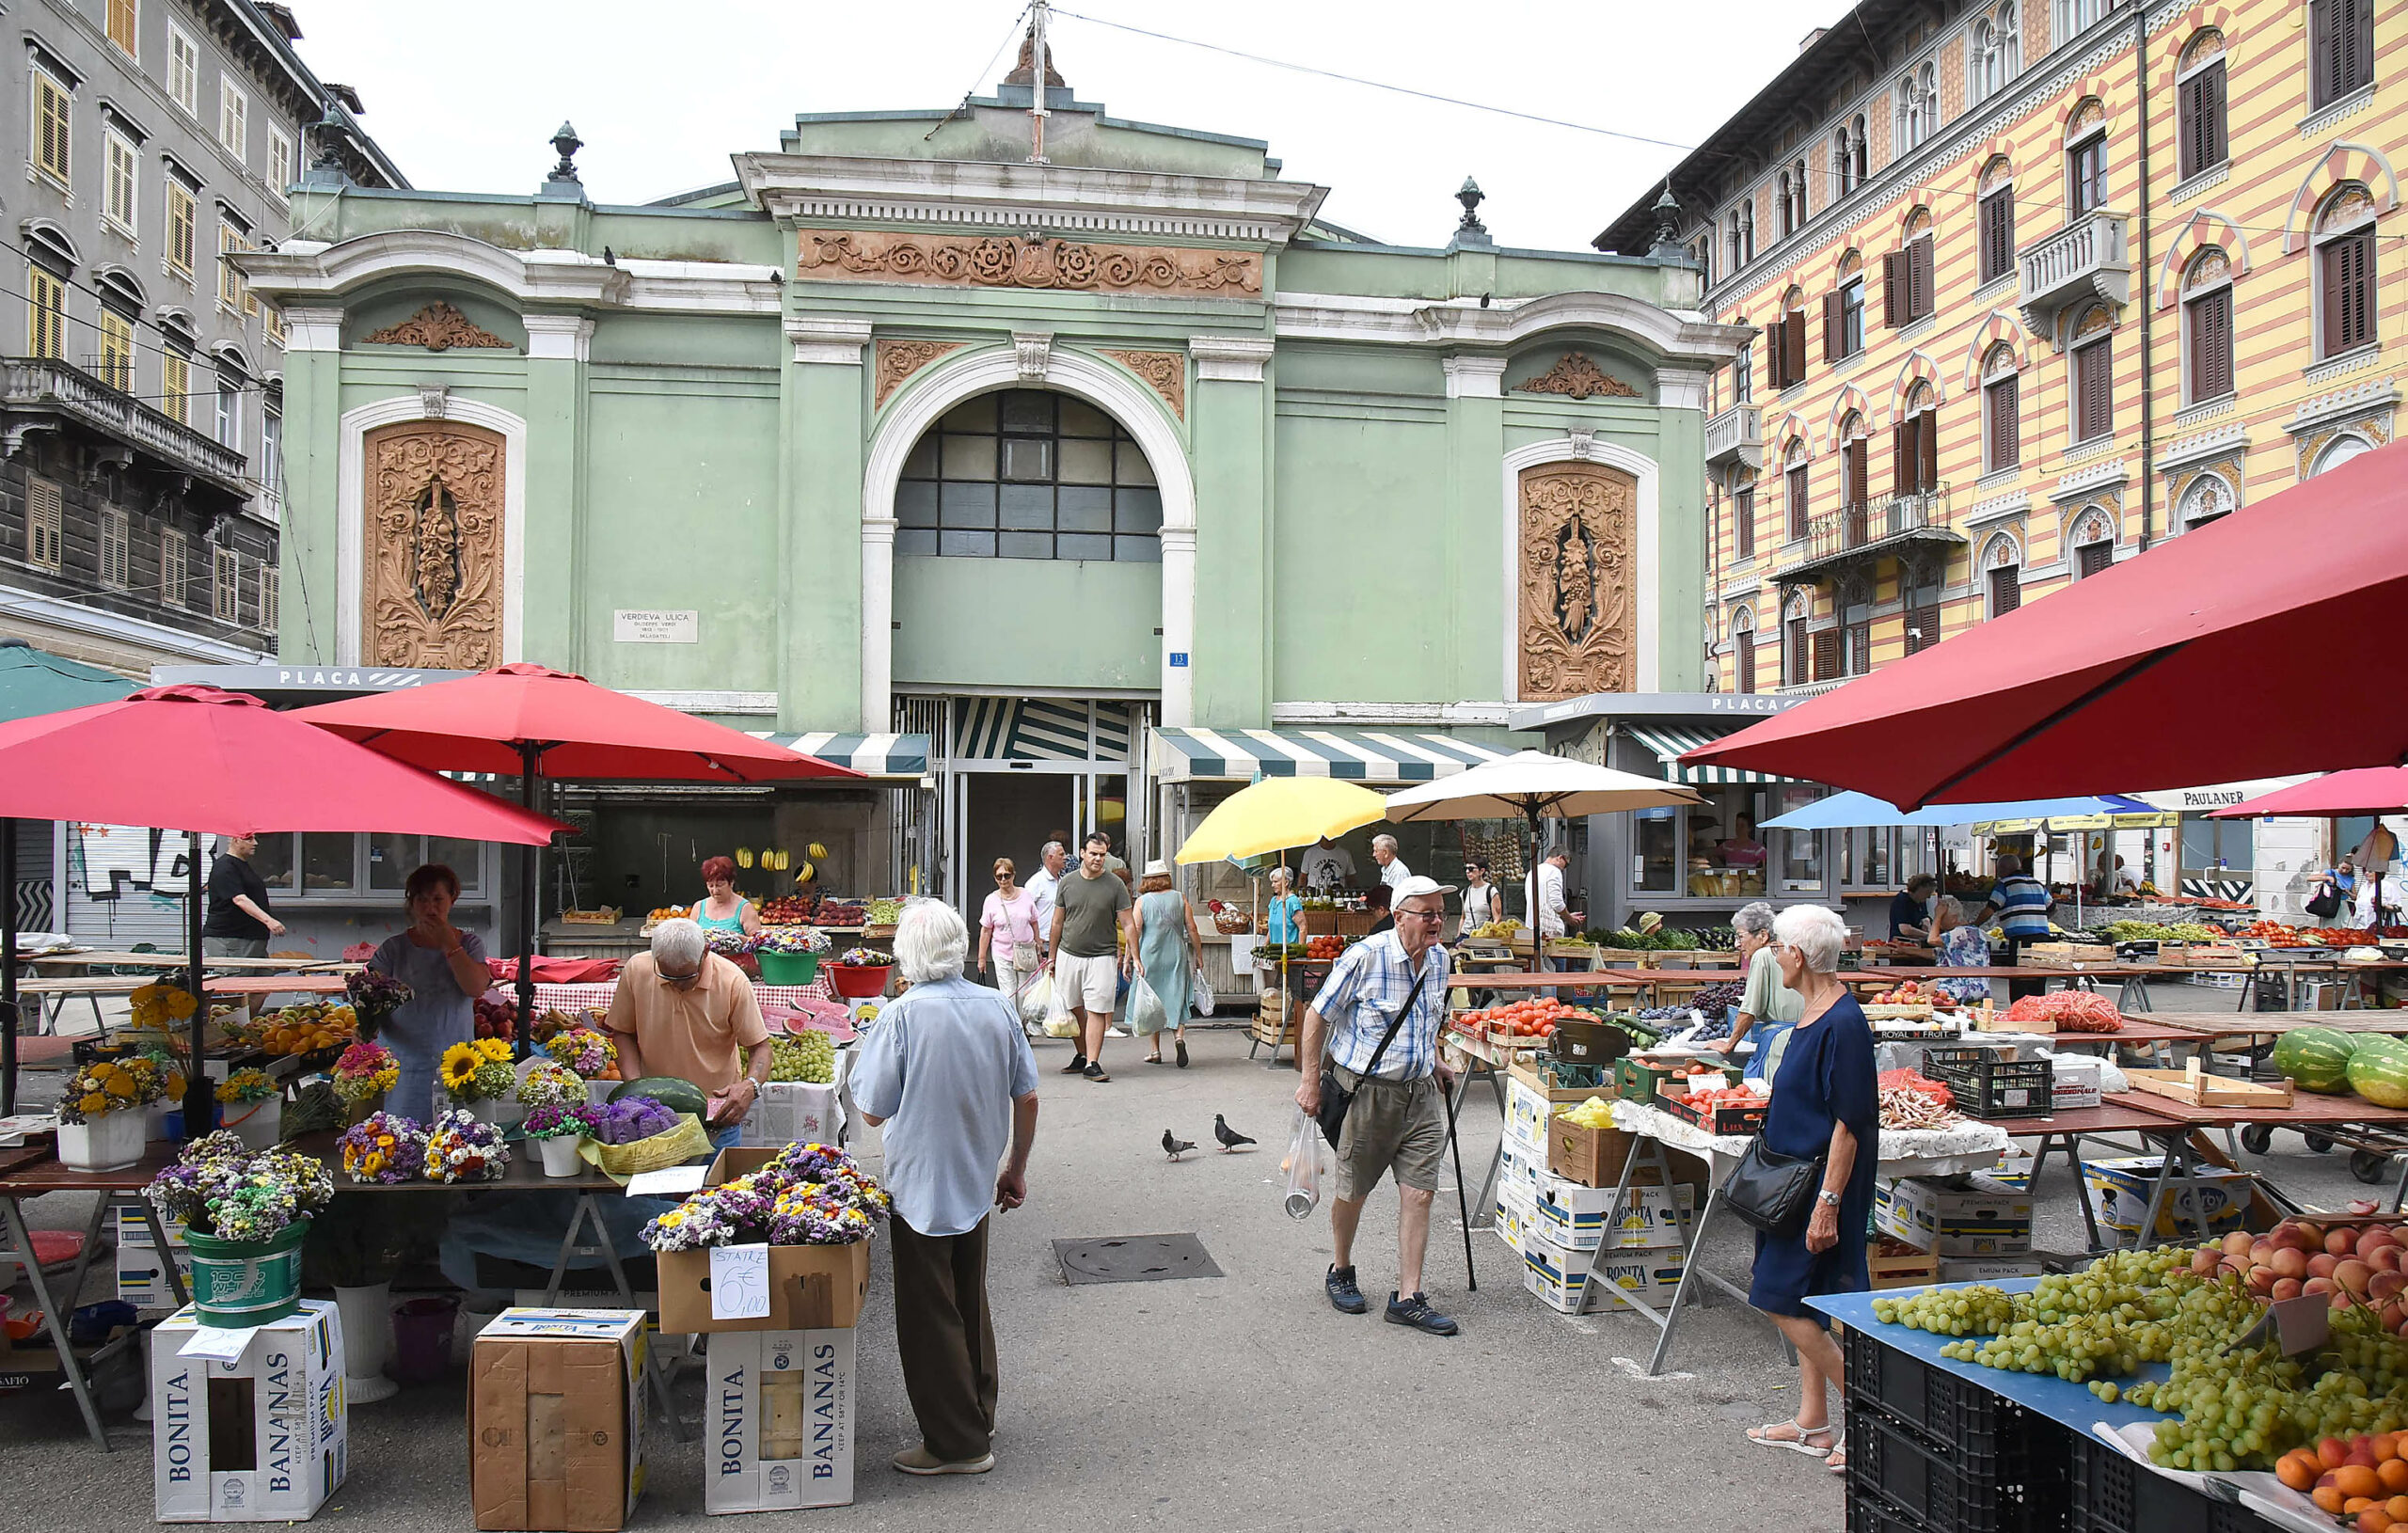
{"x":1078,"y":1063}
{"x":1095,"y":1072}
{"x":1344,"y":1295}
{"x":1117,"y":1033}
{"x":1414,"y":1310}
{"x":919,"y":1460}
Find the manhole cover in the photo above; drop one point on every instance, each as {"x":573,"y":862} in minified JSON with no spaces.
{"x":1133,"y":1258}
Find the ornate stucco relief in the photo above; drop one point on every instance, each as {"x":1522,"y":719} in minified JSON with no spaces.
{"x":1575,"y":375}
{"x":432,"y":583}
{"x":899,"y":360}
{"x":1004,"y":262}
{"x":1578,"y":528}
{"x":1165,"y":372}
{"x":438,"y":327}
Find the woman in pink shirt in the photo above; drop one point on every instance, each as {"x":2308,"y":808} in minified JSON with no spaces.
{"x":1007,"y":928}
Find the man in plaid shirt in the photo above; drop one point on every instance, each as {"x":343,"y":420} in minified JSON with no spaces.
{"x":1397,"y":1120}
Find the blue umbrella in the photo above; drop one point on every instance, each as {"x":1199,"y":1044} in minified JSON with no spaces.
{"x":1850,"y":810}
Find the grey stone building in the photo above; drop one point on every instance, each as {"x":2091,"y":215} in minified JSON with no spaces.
{"x":140,"y":407}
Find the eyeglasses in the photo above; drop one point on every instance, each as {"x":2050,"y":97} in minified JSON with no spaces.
{"x":685,"y":979}
{"x":1001,"y":873}
{"x":1421,"y":915}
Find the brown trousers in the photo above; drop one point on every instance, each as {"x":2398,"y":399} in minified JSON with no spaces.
{"x":946,"y":1337}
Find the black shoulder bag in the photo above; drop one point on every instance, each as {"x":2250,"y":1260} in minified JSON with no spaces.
{"x":2326,"y":903}
{"x":1335,"y":1099}
{"x":1774,"y":1192}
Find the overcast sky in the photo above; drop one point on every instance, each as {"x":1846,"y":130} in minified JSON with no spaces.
{"x":463,"y":93}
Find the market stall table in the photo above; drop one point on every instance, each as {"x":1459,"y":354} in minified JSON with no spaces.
{"x":52,"y":995}
{"x":2064,"y":1132}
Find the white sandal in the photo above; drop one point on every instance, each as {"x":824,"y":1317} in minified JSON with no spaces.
{"x":1797,"y":1444}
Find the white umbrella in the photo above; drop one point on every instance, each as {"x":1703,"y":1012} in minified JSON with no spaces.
{"x":1531,"y":785}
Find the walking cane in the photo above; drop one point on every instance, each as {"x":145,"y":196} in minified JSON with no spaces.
{"x":1463,"y":1201}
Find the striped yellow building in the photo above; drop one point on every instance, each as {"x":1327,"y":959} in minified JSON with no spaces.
{"x":2037,"y":285}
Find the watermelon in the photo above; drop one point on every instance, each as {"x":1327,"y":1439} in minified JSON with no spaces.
{"x":2378,"y":1070}
{"x":2316,"y":1059}
{"x":672,"y":1092}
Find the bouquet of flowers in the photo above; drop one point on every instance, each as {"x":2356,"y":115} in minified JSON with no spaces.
{"x":245,"y":1086}
{"x":631,"y":1118}
{"x":365,"y":1072}
{"x":479,"y":1071}
{"x":794,"y":939}
{"x":384,"y":1147}
{"x":160,"y":1005}
{"x":865,"y":957}
{"x":808,"y":1194}
{"x":374,"y":997}
{"x":112,"y":1085}
{"x":557,"y":1121}
{"x":582,"y":1049}
{"x":460,"y":1148}
{"x":219,"y":1186}
{"x":549,"y":1084}
{"x":730,"y":944}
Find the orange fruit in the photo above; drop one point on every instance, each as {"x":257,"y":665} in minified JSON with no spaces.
{"x":2385,"y":1445}
{"x":2298,"y":1468}
{"x":2357,"y":1504}
{"x":2374,"y":1519}
{"x":2328,"y":1498}
{"x":2398,"y":1507}
{"x":2332,"y":1452}
{"x":2394,"y":1474}
{"x":2354,"y":1480}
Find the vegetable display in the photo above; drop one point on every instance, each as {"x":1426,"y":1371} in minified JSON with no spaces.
{"x":1536,"y":1017}
{"x":674,"y":1092}
{"x":2150,"y":931}
{"x":2066,"y":1011}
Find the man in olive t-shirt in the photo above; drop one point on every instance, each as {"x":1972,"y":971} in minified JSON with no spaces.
{"x":1092,"y":911}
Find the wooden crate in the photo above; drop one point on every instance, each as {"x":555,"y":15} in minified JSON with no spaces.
{"x":1913,"y":1269}
{"x":1914,"y":1012}
{"x":2202,"y":955}
{"x":2065,"y":954}
{"x":2202,"y":1090}
{"x":607,"y":916}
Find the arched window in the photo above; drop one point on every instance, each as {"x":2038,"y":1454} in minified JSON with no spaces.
{"x":2338,"y":451}
{"x":1909,"y":288}
{"x":1856,"y":488}
{"x":1985,"y":66}
{"x":2010,"y":37}
{"x":1797,"y":658}
{"x":2204,"y":499}
{"x":1841,"y":184}
{"x":2076,"y":16}
{"x":1794,"y":493}
{"x":1995,"y":212}
{"x":1907,"y":107}
{"x":2345,"y":274}
{"x":1914,"y":463}
{"x":2003,"y":564}
{"x":1793,"y":199}
{"x":2207,"y":328}
{"x":2002,"y":410}
{"x":2086,"y":158}
{"x":1844,"y":312}
{"x":1927,"y":90}
{"x":2094,"y":542}
{"x":2199,"y":105}
{"x":1743,"y":650}
{"x":1028,"y":474}
{"x":2094,"y":386}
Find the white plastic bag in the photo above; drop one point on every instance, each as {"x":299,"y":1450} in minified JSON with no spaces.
{"x":1059,"y":1023}
{"x":1037,"y":1000}
{"x":1303,"y":1166}
{"x":1199,"y":993}
{"x":1145,"y":1013}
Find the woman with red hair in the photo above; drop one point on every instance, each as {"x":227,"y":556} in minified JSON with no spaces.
{"x":723,"y":909}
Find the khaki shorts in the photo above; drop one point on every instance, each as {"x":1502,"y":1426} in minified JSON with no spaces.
{"x":1398,"y":1125}
{"x":1092,"y":985}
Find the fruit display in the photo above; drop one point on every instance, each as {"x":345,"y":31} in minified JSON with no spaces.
{"x":2150,"y":931}
{"x":2364,"y":1478}
{"x":784,"y":910}
{"x":2316,"y":1059}
{"x":1536,"y":1017}
{"x":1324,"y":947}
{"x":1912,"y":992}
{"x":2379,"y":1069}
{"x":808,"y":1055}
{"x":2066,"y":1011}
{"x":675,"y":1093}
{"x":497,"y":1015}
{"x":667,"y":912}
{"x":836,"y":913}
{"x":312,"y":1027}
{"x":1495,"y":931}
{"x":885,"y":910}
{"x":1596,"y":1113}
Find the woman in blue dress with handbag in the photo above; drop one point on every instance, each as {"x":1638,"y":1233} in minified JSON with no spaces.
{"x":1826,"y":1105}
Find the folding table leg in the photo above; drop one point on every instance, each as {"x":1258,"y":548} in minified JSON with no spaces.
{"x":21,"y":1248}
{"x":167,"y":1265}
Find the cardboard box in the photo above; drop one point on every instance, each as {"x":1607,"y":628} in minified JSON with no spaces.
{"x":1516,"y":1211}
{"x":1984,"y":1218}
{"x":1517,"y":1167}
{"x":29,"y":1363}
{"x":2121,"y":1189}
{"x":794,"y":1113}
{"x":141,"y":1276}
{"x":2073,"y":1082}
{"x":261,"y":1439}
{"x":1988,"y":1269}
{"x":1583,"y":1218}
{"x":685,"y":1277}
{"x":1574,"y":1283}
{"x":780,"y":1429}
{"x":556,"y":1419}
{"x":1529,"y":1102}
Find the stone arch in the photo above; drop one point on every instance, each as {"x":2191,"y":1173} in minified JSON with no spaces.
{"x":1850,"y":400}
{"x":1997,"y":171}
{"x":1918,"y":368}
{"x":2094,"y":522}
{"x":1789,"y":431}
{"x":2002,"y":548}
{"x":2088,"y":114}
{"x":2342,"y":164}
{"x":2001,"y":328}
{"x":2204,"y":230}
{"x":1916,"y":223}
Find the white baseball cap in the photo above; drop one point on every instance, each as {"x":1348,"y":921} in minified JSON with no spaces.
{"x":1419,"y":885}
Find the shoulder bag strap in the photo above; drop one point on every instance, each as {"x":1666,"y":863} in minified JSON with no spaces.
{"x":1410,"y":997}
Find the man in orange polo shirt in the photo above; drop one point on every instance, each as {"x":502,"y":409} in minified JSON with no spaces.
{"x":683,"y":1010}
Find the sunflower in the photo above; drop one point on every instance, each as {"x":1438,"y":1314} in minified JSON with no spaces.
{"x":459,"y":1068}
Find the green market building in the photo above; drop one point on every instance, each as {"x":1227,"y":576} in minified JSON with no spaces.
{"x":1055,"y":494}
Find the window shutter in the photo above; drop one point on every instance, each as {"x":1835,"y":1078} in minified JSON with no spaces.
{"x":2212,"y":96}
{"x":1797,"y":345}
{"x":2007,"y":424}
{"x":2211,"y":346}
{"x":1928,"y":457}
{"x":1745,"y":660}
{"x":1902,"y":452}
{"x":1919,"y":297}
{"x":2347,"y":318}
{"x":2093,"y":557}
{"x":1773,"y":354}
{"x":1893,"y":309}
{"x":2321,"y":25}
{"x":1797,"y":650}
{"x":2361,"y":55}
{"x":1832,"y":348}
{"x":2093,"y":403}
{"x":2191,"y":104}
{"x":1858,"y":492}
{"x":1743,"y":523}
{"x":1923,"y":628}
{"x":2006,"y":589}
{"x":1827,"y":655}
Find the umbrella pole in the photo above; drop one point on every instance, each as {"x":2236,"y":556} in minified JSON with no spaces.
{"x":197,"y":1093}
{"x":8,"y":967}
{"x":527,"y":762}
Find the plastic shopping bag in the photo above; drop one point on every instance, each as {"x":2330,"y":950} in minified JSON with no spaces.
{"x":1037,"y":1000}
{"x":1303,"y":1166}
{"x":1147,"y":1014}
{"x":1059,"y":1023}
{"x":1199,"y":993}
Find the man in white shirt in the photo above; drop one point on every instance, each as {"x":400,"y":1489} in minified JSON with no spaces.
{"x":1552,"y":913}
{"x":1329,"y":865}
{"x":1392,"y":869}
{"x":1040,"y":886}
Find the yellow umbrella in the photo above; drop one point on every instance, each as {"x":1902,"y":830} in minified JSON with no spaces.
{"x":1280,"y":813}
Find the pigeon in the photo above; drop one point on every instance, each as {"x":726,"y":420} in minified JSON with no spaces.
{"x":1176,"y":1147}
{"x":1231,"y":1139}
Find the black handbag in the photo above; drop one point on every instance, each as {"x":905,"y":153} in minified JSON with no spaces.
{"x":1774,"y":1192}
{"x":2326,"y":902}
{"x":1334,"y":1099}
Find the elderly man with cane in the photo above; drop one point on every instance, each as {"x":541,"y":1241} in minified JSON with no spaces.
{"x":1382,"y":1097}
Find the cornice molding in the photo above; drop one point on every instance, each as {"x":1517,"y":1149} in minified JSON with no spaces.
{"x":303,"y":272}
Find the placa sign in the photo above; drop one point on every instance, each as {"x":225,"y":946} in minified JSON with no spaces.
{"x":656,"y":625}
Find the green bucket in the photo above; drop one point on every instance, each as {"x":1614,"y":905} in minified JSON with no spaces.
{"x":788,"y":968}
{"x":241,"y":1283}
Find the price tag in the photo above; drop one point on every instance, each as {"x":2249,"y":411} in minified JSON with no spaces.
{"x":215,"y":1344}
{"x":739,"y":1282}
{"x":669,"y":1182}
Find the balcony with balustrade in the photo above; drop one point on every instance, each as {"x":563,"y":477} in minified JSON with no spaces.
{"x":1737,"y":436}
{"x":48,"y":394}
{"x":2089,"y":257}
{"x":1900,"y":527}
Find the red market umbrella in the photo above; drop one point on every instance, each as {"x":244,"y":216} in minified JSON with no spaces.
{"x":202,"y":761}
{"x":2223,"y":654}
{"x":2365,"y":790}
{"x":534,"y":722}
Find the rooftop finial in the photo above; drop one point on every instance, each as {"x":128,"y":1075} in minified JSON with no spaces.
{"x":1024,"y":72}
{"x":1471,"y":230}
{"x":562,"y":181}
{"x":1667,"y":218}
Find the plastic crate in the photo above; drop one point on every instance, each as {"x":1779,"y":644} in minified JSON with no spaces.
{"x":2016,"y":1485}
{"x":1871,"y":1514}
{"x":1991,"y":1085}
{"x":1946,"y":1410}
{"x":2113,"y":1494}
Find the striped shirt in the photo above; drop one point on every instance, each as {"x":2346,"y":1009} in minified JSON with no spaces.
{"x":2023,"y":904}
{"x":1366,"y":988}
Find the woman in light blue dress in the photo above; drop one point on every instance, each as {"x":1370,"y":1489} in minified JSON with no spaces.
{"x":444,"y":968}
{"x":1167,"y":949}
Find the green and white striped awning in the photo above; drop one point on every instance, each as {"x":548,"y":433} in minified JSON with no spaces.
{"x":872,"y":755}
{"x":1672,"y":741}
{"x":1358,"y":755}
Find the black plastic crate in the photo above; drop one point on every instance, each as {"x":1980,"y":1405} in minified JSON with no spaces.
{"x":1871,"y":1514}
{"x":1988,"y":1085}
{"x":1950,"y":1413}
{"x":1972,"y":1490}
{"x":2113,"y":1494}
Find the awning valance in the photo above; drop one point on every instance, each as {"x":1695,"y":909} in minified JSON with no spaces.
{"x":872,"y":755}
{"x":1672,"y":741}
{"x":1360,"y":755}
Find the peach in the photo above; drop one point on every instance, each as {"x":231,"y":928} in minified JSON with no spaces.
{"x":2288,"y":1237}
{"x":2394,"y":1474}
{"x":2327,"y":1499}
{"x":2284,"y":1287}
{"x":2390,"y":1316}
{"x":2354,"y":1275}
{"x":2383,"y":1258}
{"x":2289,"y":1262}
{"x":2238,"y":1243}
{"x":2342,"y":1298}
{"x":2341,"y":1243}
{"x":2205,"y":1260}
{"x":2322,"y":1264}
{"x":2263,"y":1281}
{"x":2316,"y":1285}
{"x":2374,"y":1518}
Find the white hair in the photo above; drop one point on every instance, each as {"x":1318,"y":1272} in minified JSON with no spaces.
{"x":1384,"y":842}
{"x":1815,"y":933}
{"x":1050,"y":847}
{"x":930,"y":941}
{"x":1950,"y":911}
{"x":1754,"y":918}
{"x":680,"y":944}
{"x":1282,"y":874}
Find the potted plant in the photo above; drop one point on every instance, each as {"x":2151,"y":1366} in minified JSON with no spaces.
{"x":103,"y":1118}
{"x":559,"y":1130}
{"x":790,"y":955}
{"x":362,"y":1075}
{"x":479,"y":1078}
{"x":464,"y":1147}
{"x":245,"y":1214}
{"x":591,"y":1055}
{"x":251,"y":1105}
{"x":548,"y":1083}
{"x":374,"y":997}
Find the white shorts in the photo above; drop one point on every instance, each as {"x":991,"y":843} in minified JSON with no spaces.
{"x":1092,"y":985}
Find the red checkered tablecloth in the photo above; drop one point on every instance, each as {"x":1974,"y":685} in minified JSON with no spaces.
{"x":597,"y":997}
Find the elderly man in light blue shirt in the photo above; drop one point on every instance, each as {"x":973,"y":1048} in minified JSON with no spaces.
{"x":947,"y":1071}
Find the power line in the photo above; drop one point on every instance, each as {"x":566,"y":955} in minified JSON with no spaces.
{"x":991,"y":59}
{"x":109,"y":300}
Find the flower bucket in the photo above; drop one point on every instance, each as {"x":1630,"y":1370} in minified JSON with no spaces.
{"x":367,"y":1341}
{"x":244,"y":1282}
{"x":560,"y":1156}
{"x":423,"y":1338}
{"x":788,"y":968}
{"x":859,"y":982}
{"x":260,"y":1122}
{"x":599,"y":1091}
{"x":502,"y":1112}
{"x":108,"y":1142}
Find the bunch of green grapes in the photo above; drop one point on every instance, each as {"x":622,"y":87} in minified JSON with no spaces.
{"x":803,"y":1056}
{"x":1977,"y":1311}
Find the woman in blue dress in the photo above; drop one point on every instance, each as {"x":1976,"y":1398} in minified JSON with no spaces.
{"x":444,"y":968}
{"x":1825,"y":1102}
